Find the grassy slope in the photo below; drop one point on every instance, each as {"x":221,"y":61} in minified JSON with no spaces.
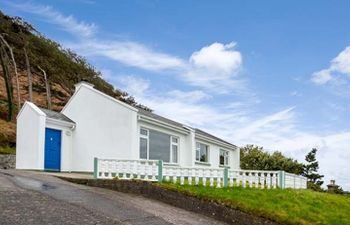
{"x":283,"y":206}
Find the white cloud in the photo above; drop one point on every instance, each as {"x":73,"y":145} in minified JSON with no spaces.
{"x":338,"y":73}
{"x":341,"y":63}
{"x":321,"y":77}
{"x":68,"y":23}
{"x":215,"y":67}
{"x":129,"y":53}
{"x":134,"y":85}
{"x":296,"y":93}
{"x":189,"y":96}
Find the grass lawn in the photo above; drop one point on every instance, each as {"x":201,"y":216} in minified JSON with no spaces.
{"x":283,"y":206}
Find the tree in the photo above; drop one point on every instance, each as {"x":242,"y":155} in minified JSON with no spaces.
{"x":8,"y":80}
{"x":255,"y":158}
{"x":15,"y":69}
{"x":311,"y":169}
{"x":47,"y":87}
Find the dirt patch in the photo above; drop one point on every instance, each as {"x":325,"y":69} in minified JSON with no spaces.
{"x":150,"y":190}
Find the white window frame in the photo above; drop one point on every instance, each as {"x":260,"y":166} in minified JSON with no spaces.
{"x":199,"y":149}
{"x":171,"y":149}
{"x":226,"y":157}
{"x":145,"y":137}
{"x":171,"y":145}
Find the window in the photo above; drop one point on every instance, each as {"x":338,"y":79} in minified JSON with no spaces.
{"x":156,"y":145}
{"x":202,"y":152}
{"x":224,"y":157}
{"x":174,"y":149}
{"x":143,"y":144}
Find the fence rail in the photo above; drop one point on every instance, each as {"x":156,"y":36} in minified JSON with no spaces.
{"x":295,"y":181}
{"x":154,"y":170}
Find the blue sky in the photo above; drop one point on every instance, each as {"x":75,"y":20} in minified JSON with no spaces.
{"x":272,"y":73}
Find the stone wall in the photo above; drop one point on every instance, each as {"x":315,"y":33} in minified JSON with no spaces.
{"x":7,"y":161}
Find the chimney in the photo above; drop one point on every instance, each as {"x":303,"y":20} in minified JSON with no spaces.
{"x":332,"y":186}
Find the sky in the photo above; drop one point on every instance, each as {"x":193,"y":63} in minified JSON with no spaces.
{"x":269,"y":73}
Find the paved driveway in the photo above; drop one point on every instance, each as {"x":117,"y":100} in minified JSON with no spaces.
{"x":37,"y":198}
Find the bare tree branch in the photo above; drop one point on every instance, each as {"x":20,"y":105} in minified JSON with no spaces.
{"x":47,"y":86}
{"x":29,"y":74}
{"x":15,"y":69}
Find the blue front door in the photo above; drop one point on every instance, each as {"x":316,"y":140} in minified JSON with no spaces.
{"x":52,"y":149}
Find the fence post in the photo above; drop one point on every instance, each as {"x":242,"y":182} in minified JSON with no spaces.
{"x":160,"y":170}
{"x":225,"y":177}
{"x":95,"y":167}
{"x":281,"y":179}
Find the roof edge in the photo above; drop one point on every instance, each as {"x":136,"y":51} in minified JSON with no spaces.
{"x":88,"y":87}
{"x":32,"y":106}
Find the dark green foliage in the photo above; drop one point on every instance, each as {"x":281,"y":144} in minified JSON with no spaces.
{"x":255,"y":158}
{"x":337,"y":190}
{"x":62,"y":66}
{"x":310,"y":171}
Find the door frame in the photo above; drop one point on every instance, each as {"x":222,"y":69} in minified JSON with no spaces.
{"x":60,"y":151}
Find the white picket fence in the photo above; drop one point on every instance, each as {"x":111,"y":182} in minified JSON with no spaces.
{"x":154,"y":170}
{"x":295,"y":181}
{"x":254,"y":178}
{"x":127,"y":169}
{"x":194,"y":175}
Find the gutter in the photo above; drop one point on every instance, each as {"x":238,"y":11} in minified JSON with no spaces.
{"x":163,"y":124}
{"x":61,"y":123}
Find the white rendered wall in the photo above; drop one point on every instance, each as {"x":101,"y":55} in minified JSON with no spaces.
{"x":66,"y":145}
{"x":104,"y":128}
{"x":184,"y":149}
{"x":30,"y":138}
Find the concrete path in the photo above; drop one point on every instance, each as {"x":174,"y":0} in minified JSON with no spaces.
{"x":38,"y":198}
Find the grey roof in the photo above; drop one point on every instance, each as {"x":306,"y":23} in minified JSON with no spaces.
{"x":160,"y":118}
{"x":200,"y":132}
{"x":180,"y":125}
{"x":56,"y":115}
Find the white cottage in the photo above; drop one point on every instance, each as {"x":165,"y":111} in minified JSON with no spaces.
{"x":93,"y":124}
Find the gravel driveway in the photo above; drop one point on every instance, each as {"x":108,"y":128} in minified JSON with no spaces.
{"x":37,"y":198}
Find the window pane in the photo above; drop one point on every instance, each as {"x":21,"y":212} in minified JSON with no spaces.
{"x":159,"y":146}
{"x":203,"y":153}
{"x":144,"y":132}
{"x":143,"y":148}
{"x":222,"y":160}
{"x":174,"y":148}
{"x":197,"y":154}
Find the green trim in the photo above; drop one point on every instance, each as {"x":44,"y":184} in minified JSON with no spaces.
{"x":281,"y":179}
{"x":225,"y":177}
{"x":160,"y":170}
{"x":95,"y":167}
